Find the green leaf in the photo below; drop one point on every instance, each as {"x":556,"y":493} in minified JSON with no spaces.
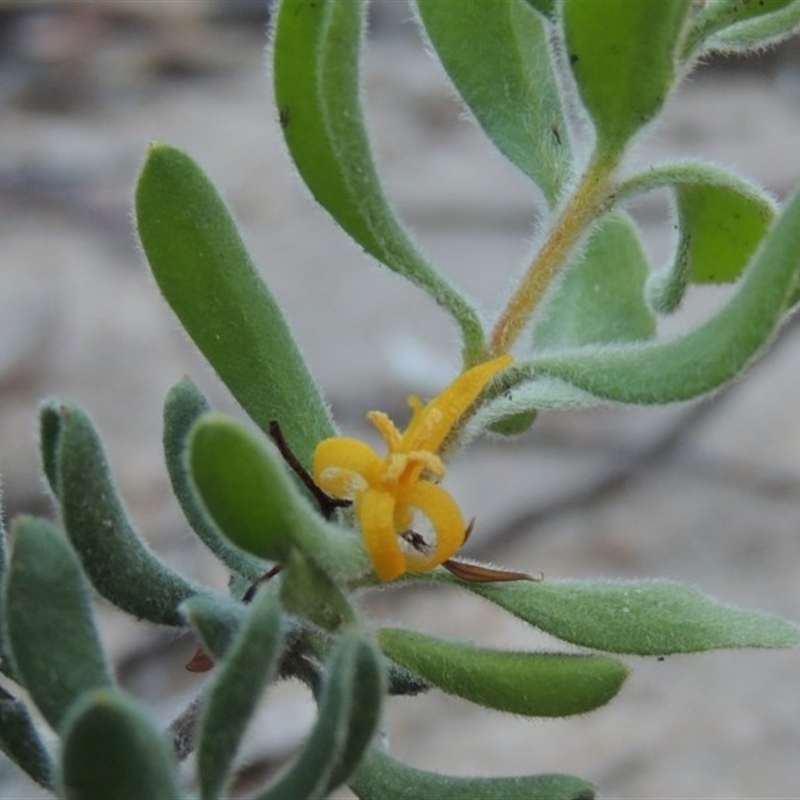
{"x":758,"y":32}
{"x":508,"y":412}
{"x":369,"y":683}
{"x":601,"y":298}
{"x":382,"y":777}
{"x":532,"y":684}
{"x":244,"y":484}
{"x":722,"y":225}
{"x":205,"y":273}
{"x":622,"y":54}
{"x":349,"y":712}
{"x":112,"y":750}
{"x":316,"y":73}
{"x":517,"y":101}
{"x":183,"y":407}
{"x":48,"y":621}
{"x":547,"y":8}
{"x":217,"y":620}
{"x":309,"y":592}
{"x":721,"y":220}
{"x":720,"y":229}
{"x":233,"y":696}
{"x":719,"y":16}
{"x":699,"y":361}
{"x":637,"y":617}
{"x":21,"y":742}
{"x":117,"y":561}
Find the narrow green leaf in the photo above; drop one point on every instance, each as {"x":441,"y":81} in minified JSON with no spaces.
{"x":601,"y":298}
{"x":721,"y":219}
{"x":382,"y":777}
{"x":532,"y":684}
{"x":233,"y":696}
{"x":638,"y":617}
{"x":722,"y":228}
{"x":716,"y":17}
{"x":369,"y":689}
{"x":521,"y":402}
{"x":184,"y":405}
{"x":112,"y":750}
{"x":547,"y":8}
{"x":21,"y":742}
{"x":666,"y":287}
{"x":205,"y":273}
{"x":316,"y":73}
{"x":704,"y":359}
{"x":117,"y":561}
{"x":307,"y":591}
{"x":622,"y":54}
{"x":759,"y":32}
{"x":217,"y":620}
{"x":349,"y":709}
{"x":517,"y":101}
{"x":244,"y":484}
{"x":48,"y":620}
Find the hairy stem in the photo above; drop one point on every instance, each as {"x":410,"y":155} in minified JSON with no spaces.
{"x":592,"y":197}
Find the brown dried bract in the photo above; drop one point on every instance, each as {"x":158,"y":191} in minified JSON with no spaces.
{"x":479,"y":573}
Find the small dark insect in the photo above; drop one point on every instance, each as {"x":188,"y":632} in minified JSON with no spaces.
{"x":284,"y":116}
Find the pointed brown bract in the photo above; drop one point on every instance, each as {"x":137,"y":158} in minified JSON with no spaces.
{"x":479,"y":573}
{"x":200,"y":661}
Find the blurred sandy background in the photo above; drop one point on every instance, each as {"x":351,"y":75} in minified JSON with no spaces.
{"x":709,"y":495}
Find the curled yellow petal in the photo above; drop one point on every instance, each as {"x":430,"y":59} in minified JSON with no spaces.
{"x":375,"y":510}
{"x":343,"y":467}
{"x":445,"y":518}
{"x":430,"y":425}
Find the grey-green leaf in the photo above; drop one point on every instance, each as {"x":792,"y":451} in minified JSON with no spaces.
{"x":115,"y":558}
{"x":217,"y":620}
{"x":721,"y":220}
{"x":638,"y":617}
{"x":758,"y":32}
{"x":205,"y":273}
{"x":622,"y":54}
{"x":111,"y":750}
{"x":705,"y":358}
{"x":382,"y":777}
{"x":748,"y":23}
{"x":349,"y":710}
{"x":721,"y":225}
{"x":21,"y":742}
{"x":235,"y":691}
{"x":532,"y":684}
{"x":369,"y":689}
{"x":601,"y":298}
{"x":245,"y":485}
{"x":517,"y":101}
{"x":183,"y":406}
{"x":316,"y":73}
{"x":48,"y":620}
{"x":547,"y":8}
{"x":307,"y":591}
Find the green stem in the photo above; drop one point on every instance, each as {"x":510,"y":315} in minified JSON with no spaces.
{"x":591,"y":198}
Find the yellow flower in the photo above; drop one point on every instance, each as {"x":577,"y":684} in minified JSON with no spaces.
{"x":389,"y":490}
